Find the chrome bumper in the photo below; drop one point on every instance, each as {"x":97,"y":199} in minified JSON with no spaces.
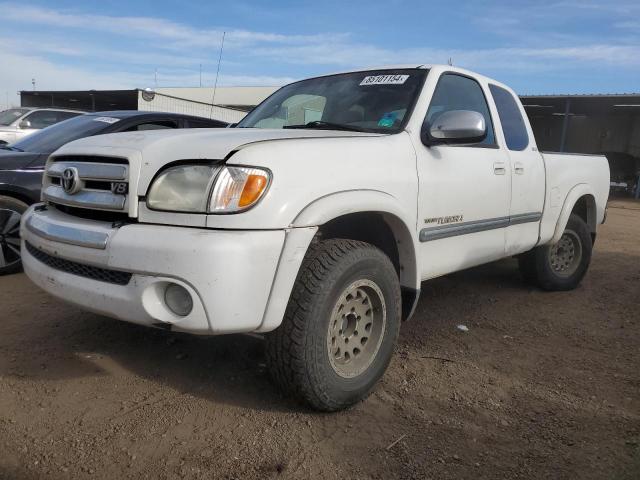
{"x":57,"y":229}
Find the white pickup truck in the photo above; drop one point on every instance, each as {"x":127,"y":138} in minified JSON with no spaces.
{"x":316,"y":219}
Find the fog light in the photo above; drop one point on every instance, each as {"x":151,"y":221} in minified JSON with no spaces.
{"x":178,"y":300}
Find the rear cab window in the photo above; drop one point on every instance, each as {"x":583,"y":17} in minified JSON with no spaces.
{"x":513,"y":125}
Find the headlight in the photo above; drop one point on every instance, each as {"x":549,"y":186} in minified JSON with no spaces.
{"x":188,"y":188}
{"x":238,"y":188}
{"x":182,"y":189}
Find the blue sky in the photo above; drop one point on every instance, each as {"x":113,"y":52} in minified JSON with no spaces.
{"x":562,"y":46}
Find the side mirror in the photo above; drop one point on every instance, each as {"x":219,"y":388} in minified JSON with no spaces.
{"x":455,"y":126}
{"x":24,"y":124}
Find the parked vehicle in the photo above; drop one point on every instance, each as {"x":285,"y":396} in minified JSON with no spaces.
{"x":18,"y":123}
{"x":22,"y":163}
{"x":316,"y":219}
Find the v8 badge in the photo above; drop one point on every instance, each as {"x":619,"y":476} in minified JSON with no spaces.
{"x":119,"y":188}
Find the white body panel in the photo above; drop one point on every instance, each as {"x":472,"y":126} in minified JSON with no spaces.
{"x":570,"y":177}
{"x":241,"y":267}
{"x":228,"y":273}
{"x":13,"y":133}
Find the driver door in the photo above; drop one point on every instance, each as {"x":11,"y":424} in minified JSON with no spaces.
{"x":465,"y":190}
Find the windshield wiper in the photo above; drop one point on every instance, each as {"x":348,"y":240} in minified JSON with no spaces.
{"x":327,"y":126}
{"x":13,"y":149}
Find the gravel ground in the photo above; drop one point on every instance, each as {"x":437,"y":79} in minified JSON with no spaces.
{"x":543,"y":385}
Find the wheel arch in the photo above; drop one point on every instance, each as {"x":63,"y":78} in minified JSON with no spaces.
{"x":367,"y":215}
{"x":345,"y":215}
{"x":582,"y":201}
{"x":18,"y":194}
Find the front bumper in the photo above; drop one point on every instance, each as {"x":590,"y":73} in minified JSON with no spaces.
{"x":229,"y":274}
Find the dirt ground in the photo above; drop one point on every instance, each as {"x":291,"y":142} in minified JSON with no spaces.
{"x":543,"y":385}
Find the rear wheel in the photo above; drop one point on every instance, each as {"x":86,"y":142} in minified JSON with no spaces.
{"x":11,"y":211}
{"x":340,"y":326}
{"x":563,"y":265}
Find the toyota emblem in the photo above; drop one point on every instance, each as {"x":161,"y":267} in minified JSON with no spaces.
{"x":70,"y":180}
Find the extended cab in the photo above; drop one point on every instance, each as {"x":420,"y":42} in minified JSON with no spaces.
{"x":316,"y":219}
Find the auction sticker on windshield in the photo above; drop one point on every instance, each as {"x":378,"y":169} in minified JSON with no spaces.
{"x":384,"y":80}
{"x":106,"y":119}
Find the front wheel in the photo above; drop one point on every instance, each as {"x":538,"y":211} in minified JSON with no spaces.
{"x":340,"y":327}
{"x":11,"y":211}
{"x":563,"y":265}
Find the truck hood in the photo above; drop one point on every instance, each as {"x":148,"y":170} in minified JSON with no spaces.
{"x":162,"y":146}
{"x":147,"y":152}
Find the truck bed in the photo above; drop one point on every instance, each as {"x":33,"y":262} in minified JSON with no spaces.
{"x":565,"y":172}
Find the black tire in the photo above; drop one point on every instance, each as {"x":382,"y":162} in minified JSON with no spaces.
{"x":9,"y":233}
{"x":298,"y":352}
{"x":541,"y":267}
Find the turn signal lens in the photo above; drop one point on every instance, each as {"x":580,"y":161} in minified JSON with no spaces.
{"x":252,"y":190}
{"x":238,"y":188}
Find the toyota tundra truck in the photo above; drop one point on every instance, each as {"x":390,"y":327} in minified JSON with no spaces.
{"x":314,"y":220}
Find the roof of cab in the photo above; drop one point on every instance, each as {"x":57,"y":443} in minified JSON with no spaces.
{"x":421,"y":66}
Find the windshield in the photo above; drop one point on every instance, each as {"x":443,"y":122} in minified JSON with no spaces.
{"x":372,"y":101}
{"x":51,"y":138}
{"x":7,"y":117}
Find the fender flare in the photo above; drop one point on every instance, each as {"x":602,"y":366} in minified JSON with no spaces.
{"x":570,"y":201}
{"x":334,"y":205}
{"x":320,"y":211}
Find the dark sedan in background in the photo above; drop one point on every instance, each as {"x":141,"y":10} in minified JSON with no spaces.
{"x":22,"y":163}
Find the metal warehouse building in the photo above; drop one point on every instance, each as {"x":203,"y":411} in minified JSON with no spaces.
{"x":229,"y":104}
{"x":599,"y":124}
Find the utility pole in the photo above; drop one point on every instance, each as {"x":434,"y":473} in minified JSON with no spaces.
{"x":156,"y":78}
{"x":200,"y":75}
{"x":33,"y":82}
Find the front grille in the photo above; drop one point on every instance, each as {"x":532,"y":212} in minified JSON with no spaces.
{"x":93,"y":183}
{"x":87,"y":271}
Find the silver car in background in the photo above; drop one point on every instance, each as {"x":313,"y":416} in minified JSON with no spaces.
{"x":17,"y":123}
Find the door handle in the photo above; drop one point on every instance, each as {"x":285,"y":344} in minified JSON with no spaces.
{"x":498,"y":168}
{"x":519,"y":168}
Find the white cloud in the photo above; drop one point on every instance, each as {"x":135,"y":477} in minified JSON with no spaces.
{"x":65,"y":49}
{"x":149,"y":27}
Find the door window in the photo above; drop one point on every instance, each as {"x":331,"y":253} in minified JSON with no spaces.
{"x":513,"y":126}
{"x":62,"y":115}
{"x":456,"y":92}
{"x":42,"y":118}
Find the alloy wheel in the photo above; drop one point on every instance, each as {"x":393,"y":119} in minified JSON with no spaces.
{"x":9,"y":238}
